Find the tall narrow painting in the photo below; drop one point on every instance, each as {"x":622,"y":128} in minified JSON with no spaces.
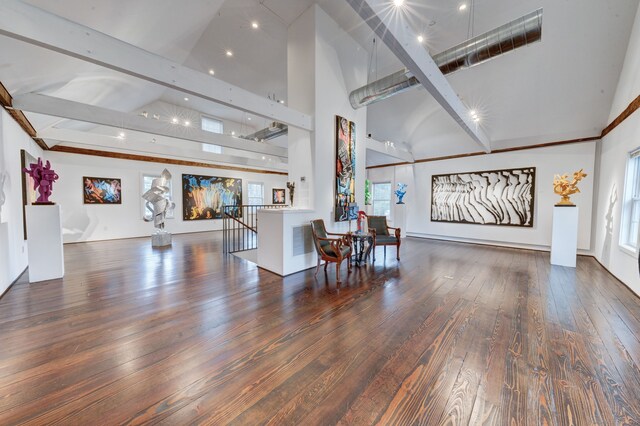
{"x":494,"y":197}
{"x":204,"y":196}
{"x":345,"y":169}
{"x":29,"y":193}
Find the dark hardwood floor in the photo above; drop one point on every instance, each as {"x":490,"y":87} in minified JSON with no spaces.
{"x":452,"y":334}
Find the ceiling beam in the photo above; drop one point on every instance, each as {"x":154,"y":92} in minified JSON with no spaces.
{"x":6,"y":101}
{"x":57,"y":107}
{"x":391,"y":24}
{"x":391,"y":151}
{"x":33,"y":25}
{"x":155,"y":159}
{"x":135,"y":143}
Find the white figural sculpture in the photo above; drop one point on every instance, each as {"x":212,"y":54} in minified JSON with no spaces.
{"x":158,"y":203}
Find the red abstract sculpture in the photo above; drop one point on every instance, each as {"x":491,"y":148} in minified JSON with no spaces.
{"x":43,"y":178}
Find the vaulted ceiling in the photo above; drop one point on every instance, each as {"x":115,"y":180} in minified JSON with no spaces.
{"x":560,"y":88}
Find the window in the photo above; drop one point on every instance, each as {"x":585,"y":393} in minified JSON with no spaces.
{"x":216,"y":149}
{"x":256,"y":193}
{"x":214,"y":126}
{"x":147,"y":180}
{"x":382,"y":199}
{"x":631,"y":208}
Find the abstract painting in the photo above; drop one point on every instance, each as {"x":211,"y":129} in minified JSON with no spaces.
{"x":494,"y":197}
{"x":278,"y":195}
{"x":345,"y":169}
{"x":29,"y":193}
{"x":98,"y":190}
{"x":204,"y":196}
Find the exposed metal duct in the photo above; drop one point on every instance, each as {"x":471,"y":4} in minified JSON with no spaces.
{"x":274,"y":130}
{"x":517,"y":33}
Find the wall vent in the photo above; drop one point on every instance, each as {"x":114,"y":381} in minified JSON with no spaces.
{"x":302,"y":240}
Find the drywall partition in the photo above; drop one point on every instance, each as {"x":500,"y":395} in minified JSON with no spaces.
{"x":13,"y":247}
{"x":341,"y":66}
{"x":547,"y":161}
{"x":616,"y":146}
{"x":324,"y":65}
{"x":84,"y":222}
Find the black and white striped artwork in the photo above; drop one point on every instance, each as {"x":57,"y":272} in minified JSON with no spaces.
{"x":495,"y":197}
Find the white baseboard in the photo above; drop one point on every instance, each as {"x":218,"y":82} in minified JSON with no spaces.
{"x":581,"y":252}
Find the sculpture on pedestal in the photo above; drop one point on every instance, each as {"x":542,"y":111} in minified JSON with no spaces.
{"x":43,"y":178}
{"x":367,"y":192}
{"x":564,"y":188}
{"x":400,"y":192}
{"x":291,"y":186}
{"x":159,"y":203}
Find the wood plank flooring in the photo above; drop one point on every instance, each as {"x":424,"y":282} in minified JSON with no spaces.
{"x":452,"y":334}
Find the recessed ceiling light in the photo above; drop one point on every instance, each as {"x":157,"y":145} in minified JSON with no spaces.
{"x":175,"y":120}
{"x":255,"y":25}
{"x":233,"y":133}
{"x":420,"y":38}
{"x":249,"y":118}
{"x":229,"y":53}
{"x":462,"y":7}
{"x":121,"y":135}
{"x":473,"y":112}
{"x":398,"y":3}
{"x":187,"y":123}
{"x":186,"y":99}
{"x":212,"y":72}
{"x":281,"y":101}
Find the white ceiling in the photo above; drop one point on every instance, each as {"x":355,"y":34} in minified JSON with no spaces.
{"x":560,"y":88}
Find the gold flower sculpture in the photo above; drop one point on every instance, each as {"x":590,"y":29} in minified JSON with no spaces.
{"x":564,"y":188}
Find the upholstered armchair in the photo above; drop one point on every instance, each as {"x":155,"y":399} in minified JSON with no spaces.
{"x":329,"y":249}
{"x":381,"y":235}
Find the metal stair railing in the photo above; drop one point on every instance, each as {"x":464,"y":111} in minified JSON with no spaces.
{"x":240,"y":226}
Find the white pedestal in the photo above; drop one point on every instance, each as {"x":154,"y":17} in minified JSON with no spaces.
{"x":161,"y":239}
{"x":564,"y":239}
{"x":400,"y":218}
{"x":280,"y":249}
{"x":46,"y":256}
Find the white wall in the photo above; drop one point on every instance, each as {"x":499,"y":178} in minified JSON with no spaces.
{"x":301,"y":77}
{"x":320,"y":85}
{"x":82,"y":222}
{"x":13,"y":247}
{"x":615,"y":148}
{"x":341,"y":66}
{"x":548,"y":161}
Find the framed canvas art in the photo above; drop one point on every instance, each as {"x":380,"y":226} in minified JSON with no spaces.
{"x":278,"y":196}
{"x":29,"y":193}
{"x":345,"y":169}
{"x":493,"y":197}
{"x":204,"y":196}
{"x":99,"y":190}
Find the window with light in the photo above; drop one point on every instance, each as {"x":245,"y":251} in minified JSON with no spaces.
{"x":382,"y":199}
{"x":213,"y":125}
{"x":256,"y":193}
{"x":631,"y":207}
